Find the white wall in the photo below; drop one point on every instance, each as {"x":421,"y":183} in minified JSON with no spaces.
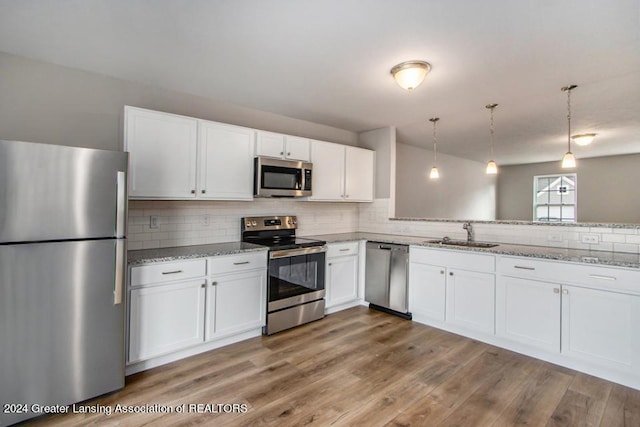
{"x":42,"y":102}
{"x":463,"y":190}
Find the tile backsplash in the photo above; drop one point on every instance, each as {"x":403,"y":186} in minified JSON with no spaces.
{"x":183,"y":223}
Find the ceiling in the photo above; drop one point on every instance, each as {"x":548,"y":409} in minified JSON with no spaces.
{"x":328,"y":62}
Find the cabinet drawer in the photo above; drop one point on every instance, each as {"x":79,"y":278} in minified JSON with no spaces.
{"x":342,"y":249}
{"x":239,"y":262}
{"x":167,"y":272}
{"x":453,"y":259}
{"x":616,"y":279}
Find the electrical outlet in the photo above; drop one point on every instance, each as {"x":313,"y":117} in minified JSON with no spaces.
{"x":592,"y":239}
{"x":205,"y":220}
{"x":154,"y":221}
{"x":556,"y":237}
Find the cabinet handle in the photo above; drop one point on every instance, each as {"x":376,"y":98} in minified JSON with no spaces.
{"x":346,"y":195}
{"x":172,"y":272}
{"x":441,"y":271}
{"x":241,"y":263}
{"x":565,"y":292}
{"x":523,"y":267}
{"x":282,"y":153}
{"x":451,"y":273}
{"x":329,"y":264}
{"x":203,"y":285}
{"x":193,"y":191}
{"x":214,"y":283}
{"x":344,"y":250}
{"x":288,"y":154}
{"x":597,"y":276}
{"x":204,"y":191}
{"x":556,"y":290}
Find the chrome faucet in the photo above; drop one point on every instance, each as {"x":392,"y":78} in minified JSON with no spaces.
{"x":467,"y":226}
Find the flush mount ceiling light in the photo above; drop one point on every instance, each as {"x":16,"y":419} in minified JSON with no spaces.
{"x":568,"y":160}
{"x":584,"y":138}
{"x":492,"y":167}
{"x":434,"y":174}
{"x":410,"y":74}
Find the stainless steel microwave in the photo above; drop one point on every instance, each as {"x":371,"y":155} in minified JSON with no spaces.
{"x":281,"y":178}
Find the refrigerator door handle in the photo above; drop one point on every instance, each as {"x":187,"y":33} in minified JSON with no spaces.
{"x":120,"y":271}
{"x":121,"y":204}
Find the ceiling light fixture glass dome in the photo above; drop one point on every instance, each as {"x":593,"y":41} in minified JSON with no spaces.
{"x":410,"y":74}
{"x":584,"y":138}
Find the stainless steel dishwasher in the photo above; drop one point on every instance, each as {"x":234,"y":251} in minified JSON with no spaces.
{"x":386,"y":278}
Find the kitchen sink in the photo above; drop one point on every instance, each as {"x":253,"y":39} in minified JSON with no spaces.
{"x":465,"y":243}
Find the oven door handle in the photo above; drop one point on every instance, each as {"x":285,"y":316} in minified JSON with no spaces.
{"x":297,"y":251}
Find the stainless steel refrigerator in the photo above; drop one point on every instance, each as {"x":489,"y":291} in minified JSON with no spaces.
{"x":62,"y":271}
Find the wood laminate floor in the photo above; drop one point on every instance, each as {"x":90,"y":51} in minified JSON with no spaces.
{"x":361,"y":367}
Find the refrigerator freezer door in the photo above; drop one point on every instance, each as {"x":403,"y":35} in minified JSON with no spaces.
{"x":61,"y":334}
{"x":53,"y":192}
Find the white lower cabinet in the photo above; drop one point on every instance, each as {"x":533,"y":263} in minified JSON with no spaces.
{"x":427,"y":291}
{"x":236,"y":303}
{"x":471,"y":300}
{"x":456,"y":289}
{"x":528,"y":311}
{"x":601,"y":327}
{"x":166,"y":318}
{"x":170,"y":319}
{"x":341,"y":277}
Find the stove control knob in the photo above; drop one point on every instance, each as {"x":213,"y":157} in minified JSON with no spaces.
{"x":294,"y":222}
{"x":248,"y":224}
{"x":253,"y":223}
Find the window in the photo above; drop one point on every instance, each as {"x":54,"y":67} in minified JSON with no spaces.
{"x":554,"y":198}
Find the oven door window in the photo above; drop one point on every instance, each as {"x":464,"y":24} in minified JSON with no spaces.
{"x":279,"y":178}
{"x":296,"y":275}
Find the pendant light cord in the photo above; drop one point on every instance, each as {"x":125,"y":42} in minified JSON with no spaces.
{"x":435,"y":143}
{"x":492,"y":132}
{"x":569,"y":119}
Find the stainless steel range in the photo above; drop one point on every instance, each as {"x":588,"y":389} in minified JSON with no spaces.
{"x":296,"y":290}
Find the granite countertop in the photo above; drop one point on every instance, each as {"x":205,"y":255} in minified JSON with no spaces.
{"x":149,"y":256}
{"x":615,"y":259}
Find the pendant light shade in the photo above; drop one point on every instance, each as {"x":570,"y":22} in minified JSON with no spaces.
{"x":568,"y":160}
{"x":434,"y":174}
{"x":492,"y":167}
{"x":410,"y":74}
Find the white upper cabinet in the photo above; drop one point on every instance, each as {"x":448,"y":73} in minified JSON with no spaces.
{"x":225,"y":155}
{"x":162,"y":154}
{"x":358,"y":181}
{"x":281,"y":146}
{"x":328,"y":171}
{"x":341,"y":173}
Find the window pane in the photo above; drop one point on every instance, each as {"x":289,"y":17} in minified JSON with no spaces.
{"x":542,"y":213}
{"x":568,"y":213}
{"x":569,"y":198}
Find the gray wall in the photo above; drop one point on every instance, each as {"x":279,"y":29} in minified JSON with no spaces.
{"x":463,"y":191}
{"x":382,"y":141}
{"x":607,"y":189}
{"x":42,"y":102}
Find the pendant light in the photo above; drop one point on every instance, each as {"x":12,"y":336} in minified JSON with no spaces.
{"x":568,"y":160}
{"x":410,"y":74}
{"x":434,"y":174}
{"x":492,"y":167}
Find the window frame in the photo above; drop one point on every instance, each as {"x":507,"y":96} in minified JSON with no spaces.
{"x":574,"y":175}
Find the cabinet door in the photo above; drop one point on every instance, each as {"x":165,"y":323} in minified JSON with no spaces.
{"x":165,"y":318}
{"x":226,"y":162}
{"x":601,"y":327}
{"x":328,"y":171}
{"x":297,"y":148}
{"x":162,"y":154}
{"x":427,"y":291}
{"x":528,"y":311}
{"x":358,"y":175}
{"x":342,"y":280}
{"x":270,"y":144}
{"x":237,"y":303}
{"x":471,"y":300}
